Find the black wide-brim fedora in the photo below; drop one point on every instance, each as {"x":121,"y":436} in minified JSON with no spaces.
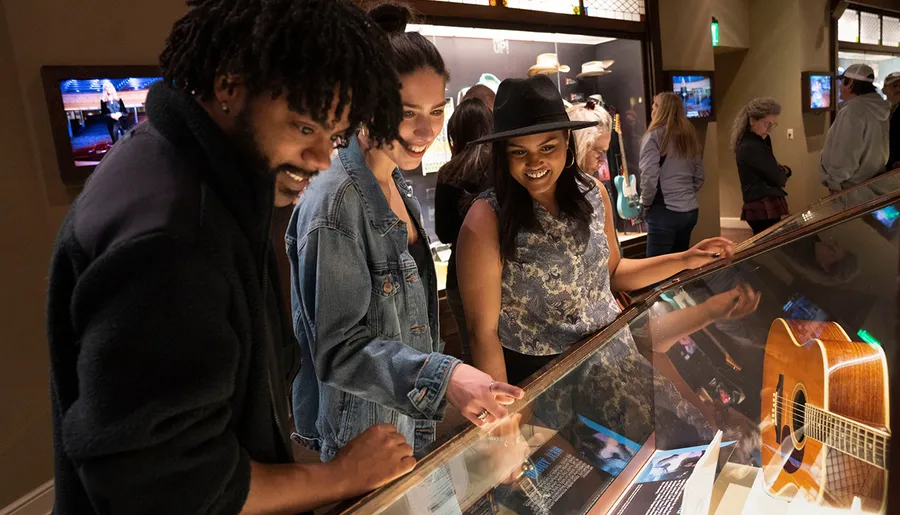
{"x":529,"y":106}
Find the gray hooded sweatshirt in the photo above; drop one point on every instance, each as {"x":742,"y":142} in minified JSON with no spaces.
{"x":857,"y":145}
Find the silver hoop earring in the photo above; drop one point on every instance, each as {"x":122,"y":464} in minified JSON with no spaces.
{"x":225,"y":108}
{"x":572,"y":161}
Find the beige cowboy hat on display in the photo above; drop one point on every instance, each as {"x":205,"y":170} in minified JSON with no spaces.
{"x":595,"y":68}
{"x":547,"y":64}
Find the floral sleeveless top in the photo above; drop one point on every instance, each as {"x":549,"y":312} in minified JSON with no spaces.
{"x":556,"y":291}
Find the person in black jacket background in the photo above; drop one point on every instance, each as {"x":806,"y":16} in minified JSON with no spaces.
{"x":762,"y":178}
{"x":164,"y":314}
{"x":459,"y":182}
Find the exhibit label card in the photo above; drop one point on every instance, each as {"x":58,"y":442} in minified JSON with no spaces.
{"x":699,"y":487}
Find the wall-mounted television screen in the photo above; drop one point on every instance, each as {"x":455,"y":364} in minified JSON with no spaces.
{"x":696,"y":91}
{"x":90,"y":109}
{"x":816,"y":91}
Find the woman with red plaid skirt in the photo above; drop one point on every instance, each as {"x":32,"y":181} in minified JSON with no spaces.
{"x":762,"y":178}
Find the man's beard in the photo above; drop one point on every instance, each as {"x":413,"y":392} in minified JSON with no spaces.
{"x":251,"y":151}
{"x":248,"y":146}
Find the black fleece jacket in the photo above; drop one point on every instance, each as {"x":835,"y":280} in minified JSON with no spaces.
{"x":164,"y":325}
{"x":761,"y":175}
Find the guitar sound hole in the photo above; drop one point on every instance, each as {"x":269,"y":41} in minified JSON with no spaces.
{"x":799,"y":416}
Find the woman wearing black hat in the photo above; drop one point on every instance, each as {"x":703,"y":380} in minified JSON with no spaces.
{"x":536,"y":266}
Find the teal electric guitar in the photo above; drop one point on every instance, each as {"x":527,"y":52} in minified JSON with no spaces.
{"x":628,"y":203}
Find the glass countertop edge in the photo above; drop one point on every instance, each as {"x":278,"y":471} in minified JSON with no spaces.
{"x":760,"y":243}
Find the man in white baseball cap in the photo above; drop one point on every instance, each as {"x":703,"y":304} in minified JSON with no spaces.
{"x":891,"y":89}
{"x":856,"y":148}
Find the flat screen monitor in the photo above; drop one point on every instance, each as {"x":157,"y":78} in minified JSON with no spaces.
{"x":90,"y":108}
{"x":696,"y":91}
{"x":816,"y":91}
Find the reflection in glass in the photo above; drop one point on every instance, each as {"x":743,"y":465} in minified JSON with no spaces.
{"x":745,"y":349}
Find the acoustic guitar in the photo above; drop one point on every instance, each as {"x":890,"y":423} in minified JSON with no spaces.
{"x":825,"y":416}
{"x":628,"y":203}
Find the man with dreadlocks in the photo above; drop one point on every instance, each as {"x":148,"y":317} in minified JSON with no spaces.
{"x":168,"y":395}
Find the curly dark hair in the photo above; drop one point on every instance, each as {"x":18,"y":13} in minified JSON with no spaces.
{"x":303,"y":49}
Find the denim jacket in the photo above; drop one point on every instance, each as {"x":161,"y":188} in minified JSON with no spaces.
{"x":364,"y":315}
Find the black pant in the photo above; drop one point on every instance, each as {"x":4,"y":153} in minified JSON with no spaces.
{"x":759,"y":226}
{"x":520,"y":367}
{"x":669,"y":231}
{"x":116,"y":128}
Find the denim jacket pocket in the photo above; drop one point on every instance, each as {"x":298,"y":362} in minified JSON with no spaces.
{"x":384,"y":319}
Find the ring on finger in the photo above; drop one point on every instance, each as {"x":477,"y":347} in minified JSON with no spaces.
{"x":483,"y":415}
{"x":491,"y":387}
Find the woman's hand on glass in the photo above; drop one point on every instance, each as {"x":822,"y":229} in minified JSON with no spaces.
{"x":478,"y":397}
{"x":707,"y":251}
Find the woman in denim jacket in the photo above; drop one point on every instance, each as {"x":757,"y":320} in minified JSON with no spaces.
{"x":363,"y":287}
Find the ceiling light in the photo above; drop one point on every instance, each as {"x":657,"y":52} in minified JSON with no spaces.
{"x":514,"y":35}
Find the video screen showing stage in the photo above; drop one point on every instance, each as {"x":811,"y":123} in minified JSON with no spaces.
{"x":100,"y":111}
{"x":819,"y":91}
{"x":696,"y":93}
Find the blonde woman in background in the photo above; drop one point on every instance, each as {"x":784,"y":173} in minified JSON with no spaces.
{"x":762,"y":178}
{"x":113,"y":109}
{"x":671,"y":175}
{"x":591,"y":144}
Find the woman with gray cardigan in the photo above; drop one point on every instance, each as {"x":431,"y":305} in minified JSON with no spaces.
{"x":671,"y":175}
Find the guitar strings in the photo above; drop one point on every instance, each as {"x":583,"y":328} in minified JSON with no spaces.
{"x":801,"y":410}
{"x":833,"y":422}
{"x":879,"y":443}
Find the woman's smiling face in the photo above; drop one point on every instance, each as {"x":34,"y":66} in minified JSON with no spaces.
{"x":536,"y":161}
{"x":423,"y":117}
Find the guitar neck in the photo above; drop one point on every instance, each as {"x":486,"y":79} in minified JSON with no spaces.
{"x":848,"y":436}
{"x":622,"y":153}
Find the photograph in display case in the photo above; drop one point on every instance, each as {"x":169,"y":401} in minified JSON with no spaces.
{"x":696,"y":91}
{"x":659,"y":486}
{"x":92,"y":107}
{"x":816,"y":91}
{"x":606,"y":449}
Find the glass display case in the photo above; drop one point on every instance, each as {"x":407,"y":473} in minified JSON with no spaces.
{"x":759,"y":385}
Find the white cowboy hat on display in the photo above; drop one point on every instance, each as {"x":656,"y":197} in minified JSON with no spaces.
{"x":488,"y":80}
{"x":547,"y":64}
{"x":595,"y":68}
